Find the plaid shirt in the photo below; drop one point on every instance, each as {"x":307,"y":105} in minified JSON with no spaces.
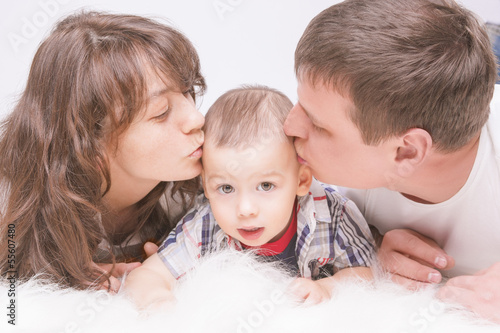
{"x":331,"y":235}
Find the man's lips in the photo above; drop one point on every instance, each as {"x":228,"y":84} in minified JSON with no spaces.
{"x":251,"y":233}
{"x":301,"y":160}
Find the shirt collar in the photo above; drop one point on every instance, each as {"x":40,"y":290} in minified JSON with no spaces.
{"x":314,"y":206}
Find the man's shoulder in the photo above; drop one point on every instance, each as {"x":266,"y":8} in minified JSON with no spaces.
{"x":493,"y":125}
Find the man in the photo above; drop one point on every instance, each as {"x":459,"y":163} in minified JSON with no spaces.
{"x":394,"y":107}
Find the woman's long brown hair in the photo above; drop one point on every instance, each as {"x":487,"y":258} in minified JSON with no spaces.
{"x":86,"y":84}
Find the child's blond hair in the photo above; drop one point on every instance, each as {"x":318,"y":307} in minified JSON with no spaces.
{"x":246,"y":115}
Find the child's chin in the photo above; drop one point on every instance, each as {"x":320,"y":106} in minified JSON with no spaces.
{"x":252,"y":243}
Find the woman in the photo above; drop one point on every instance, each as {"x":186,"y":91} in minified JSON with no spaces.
{"x":102,"y":152}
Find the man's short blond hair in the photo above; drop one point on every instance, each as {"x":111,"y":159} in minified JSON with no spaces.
{"x":246,"y":115}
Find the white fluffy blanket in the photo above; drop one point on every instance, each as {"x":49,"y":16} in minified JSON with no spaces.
{"x":231,"y":292}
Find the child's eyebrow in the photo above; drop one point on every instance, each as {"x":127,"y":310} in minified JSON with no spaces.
{"x":271,"y":173}
{"x":216,"y":178}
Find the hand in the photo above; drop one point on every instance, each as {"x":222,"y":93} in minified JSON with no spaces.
{"x":411,"y":258}
{"x":120,"y":269}
{"x":479,"y":292}
{"x":150,"y":286}
{"x":150,"y":248}
{"x":312,"y":292}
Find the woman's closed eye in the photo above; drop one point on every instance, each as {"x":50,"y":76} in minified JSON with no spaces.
{"x":162,"y":116}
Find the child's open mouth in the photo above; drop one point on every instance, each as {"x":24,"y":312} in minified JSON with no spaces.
{"x":251,"y":233}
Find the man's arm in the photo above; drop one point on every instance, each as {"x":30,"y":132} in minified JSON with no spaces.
{"x":150,"y":285}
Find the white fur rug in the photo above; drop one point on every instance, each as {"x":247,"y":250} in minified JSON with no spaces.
{"x":231,"y":292}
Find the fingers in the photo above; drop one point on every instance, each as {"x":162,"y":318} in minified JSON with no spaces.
{"x":401,"y":265}
{"x":463,"y":282}
{"x":409,"y":283}
{"x":468,"y":290}
{"x":150,"y":248}
{"x":479,"y":292}
{"x":309,"y":291}
{"x":296,"y":288}
{"x":416,"y":246}
{"x":313,"y":299}
{"x":411,"y":256}
{"x":472,"y":300}
{"x":481,"y":303}
{"x":113,"y":286}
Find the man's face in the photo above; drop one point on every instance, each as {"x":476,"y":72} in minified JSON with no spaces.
{"x":330,"y":143}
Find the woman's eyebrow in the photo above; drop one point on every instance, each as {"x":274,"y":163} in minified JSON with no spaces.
{"x":157,"y":93}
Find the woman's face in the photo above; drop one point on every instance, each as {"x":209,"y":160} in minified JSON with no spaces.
{"x":163,"y":143}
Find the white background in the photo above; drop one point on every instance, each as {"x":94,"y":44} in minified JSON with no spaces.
{"x":239,"y":41}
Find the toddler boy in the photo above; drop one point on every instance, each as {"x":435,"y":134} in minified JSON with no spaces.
{"x":258,"y":196}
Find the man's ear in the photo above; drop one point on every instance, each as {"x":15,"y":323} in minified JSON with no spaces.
{"x":305,"y":180}
{"x":414,"y":146}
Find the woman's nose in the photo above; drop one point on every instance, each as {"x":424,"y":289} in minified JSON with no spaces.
{"x":194,"y":119}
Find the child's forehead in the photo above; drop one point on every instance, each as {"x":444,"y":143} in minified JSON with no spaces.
{"x":242,"y":145}
{"x":240,"y":173}
{"x":250,"y":149}
{"x":263,"y":159}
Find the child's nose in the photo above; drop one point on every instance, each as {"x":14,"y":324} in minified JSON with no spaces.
{"x":247,"y":207}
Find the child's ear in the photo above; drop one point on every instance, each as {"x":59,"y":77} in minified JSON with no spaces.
{"x":305,"y":180}
{"x":414,"y":146}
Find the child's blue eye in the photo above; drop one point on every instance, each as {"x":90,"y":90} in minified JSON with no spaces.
{"x":225,"y":189}
{"x":265,"y":186}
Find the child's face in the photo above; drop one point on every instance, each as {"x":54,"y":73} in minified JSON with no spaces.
{"x":331,"y":144}
{"x":252,"y":190}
